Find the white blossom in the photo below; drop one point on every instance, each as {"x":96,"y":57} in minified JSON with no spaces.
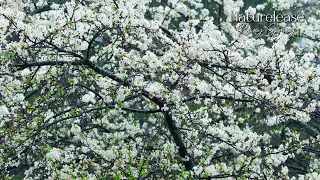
{"x":3,"y":111}
{"x":75,"y":129}
{"x":89,"y":97}
{"x":54,"y":154}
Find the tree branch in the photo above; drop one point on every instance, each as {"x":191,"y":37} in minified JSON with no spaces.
{"x":175,"y":132}
{"x":217,"y":97}
{"x":46,"y":63}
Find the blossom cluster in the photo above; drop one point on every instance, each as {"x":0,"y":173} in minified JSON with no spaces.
{"x":127,"y":89}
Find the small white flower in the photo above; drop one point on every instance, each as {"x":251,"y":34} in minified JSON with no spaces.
{"x":260,"y":7}
{"x":284,"y":170}
{"x":88,"y":97}
{"x":18,"y":97}
{"x":198,"y":170}
{"x":94,"y":59}
{"x":55,"y":6}
{"x":3,"y":111}
{"x":110,"y":155}
{"x":25,"y":72}
{"x":54,"y":154}
{"x":182,"y":8}
{"x":165,"y":108}
{"x":197,"y":153}
{"x":210,"y":169}
{"x":75,"y":129}
{"x":65,"y":176}
{"x":273,"y":120}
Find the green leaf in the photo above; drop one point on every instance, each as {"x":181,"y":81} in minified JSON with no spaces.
{"x":251,"y":70}
{"x":120,"y":104}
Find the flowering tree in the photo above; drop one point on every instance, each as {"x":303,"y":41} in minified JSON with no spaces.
{"x":174,"y":89}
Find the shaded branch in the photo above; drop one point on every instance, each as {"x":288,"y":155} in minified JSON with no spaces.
{"x":46,"y":63}
{"x":175,"y":132}
{"x":217,"y":97}
{"x":41,"y":10}
{"x":309,"y":128}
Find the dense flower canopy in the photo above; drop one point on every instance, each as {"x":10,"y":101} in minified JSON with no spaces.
{"x":168,"y":89}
